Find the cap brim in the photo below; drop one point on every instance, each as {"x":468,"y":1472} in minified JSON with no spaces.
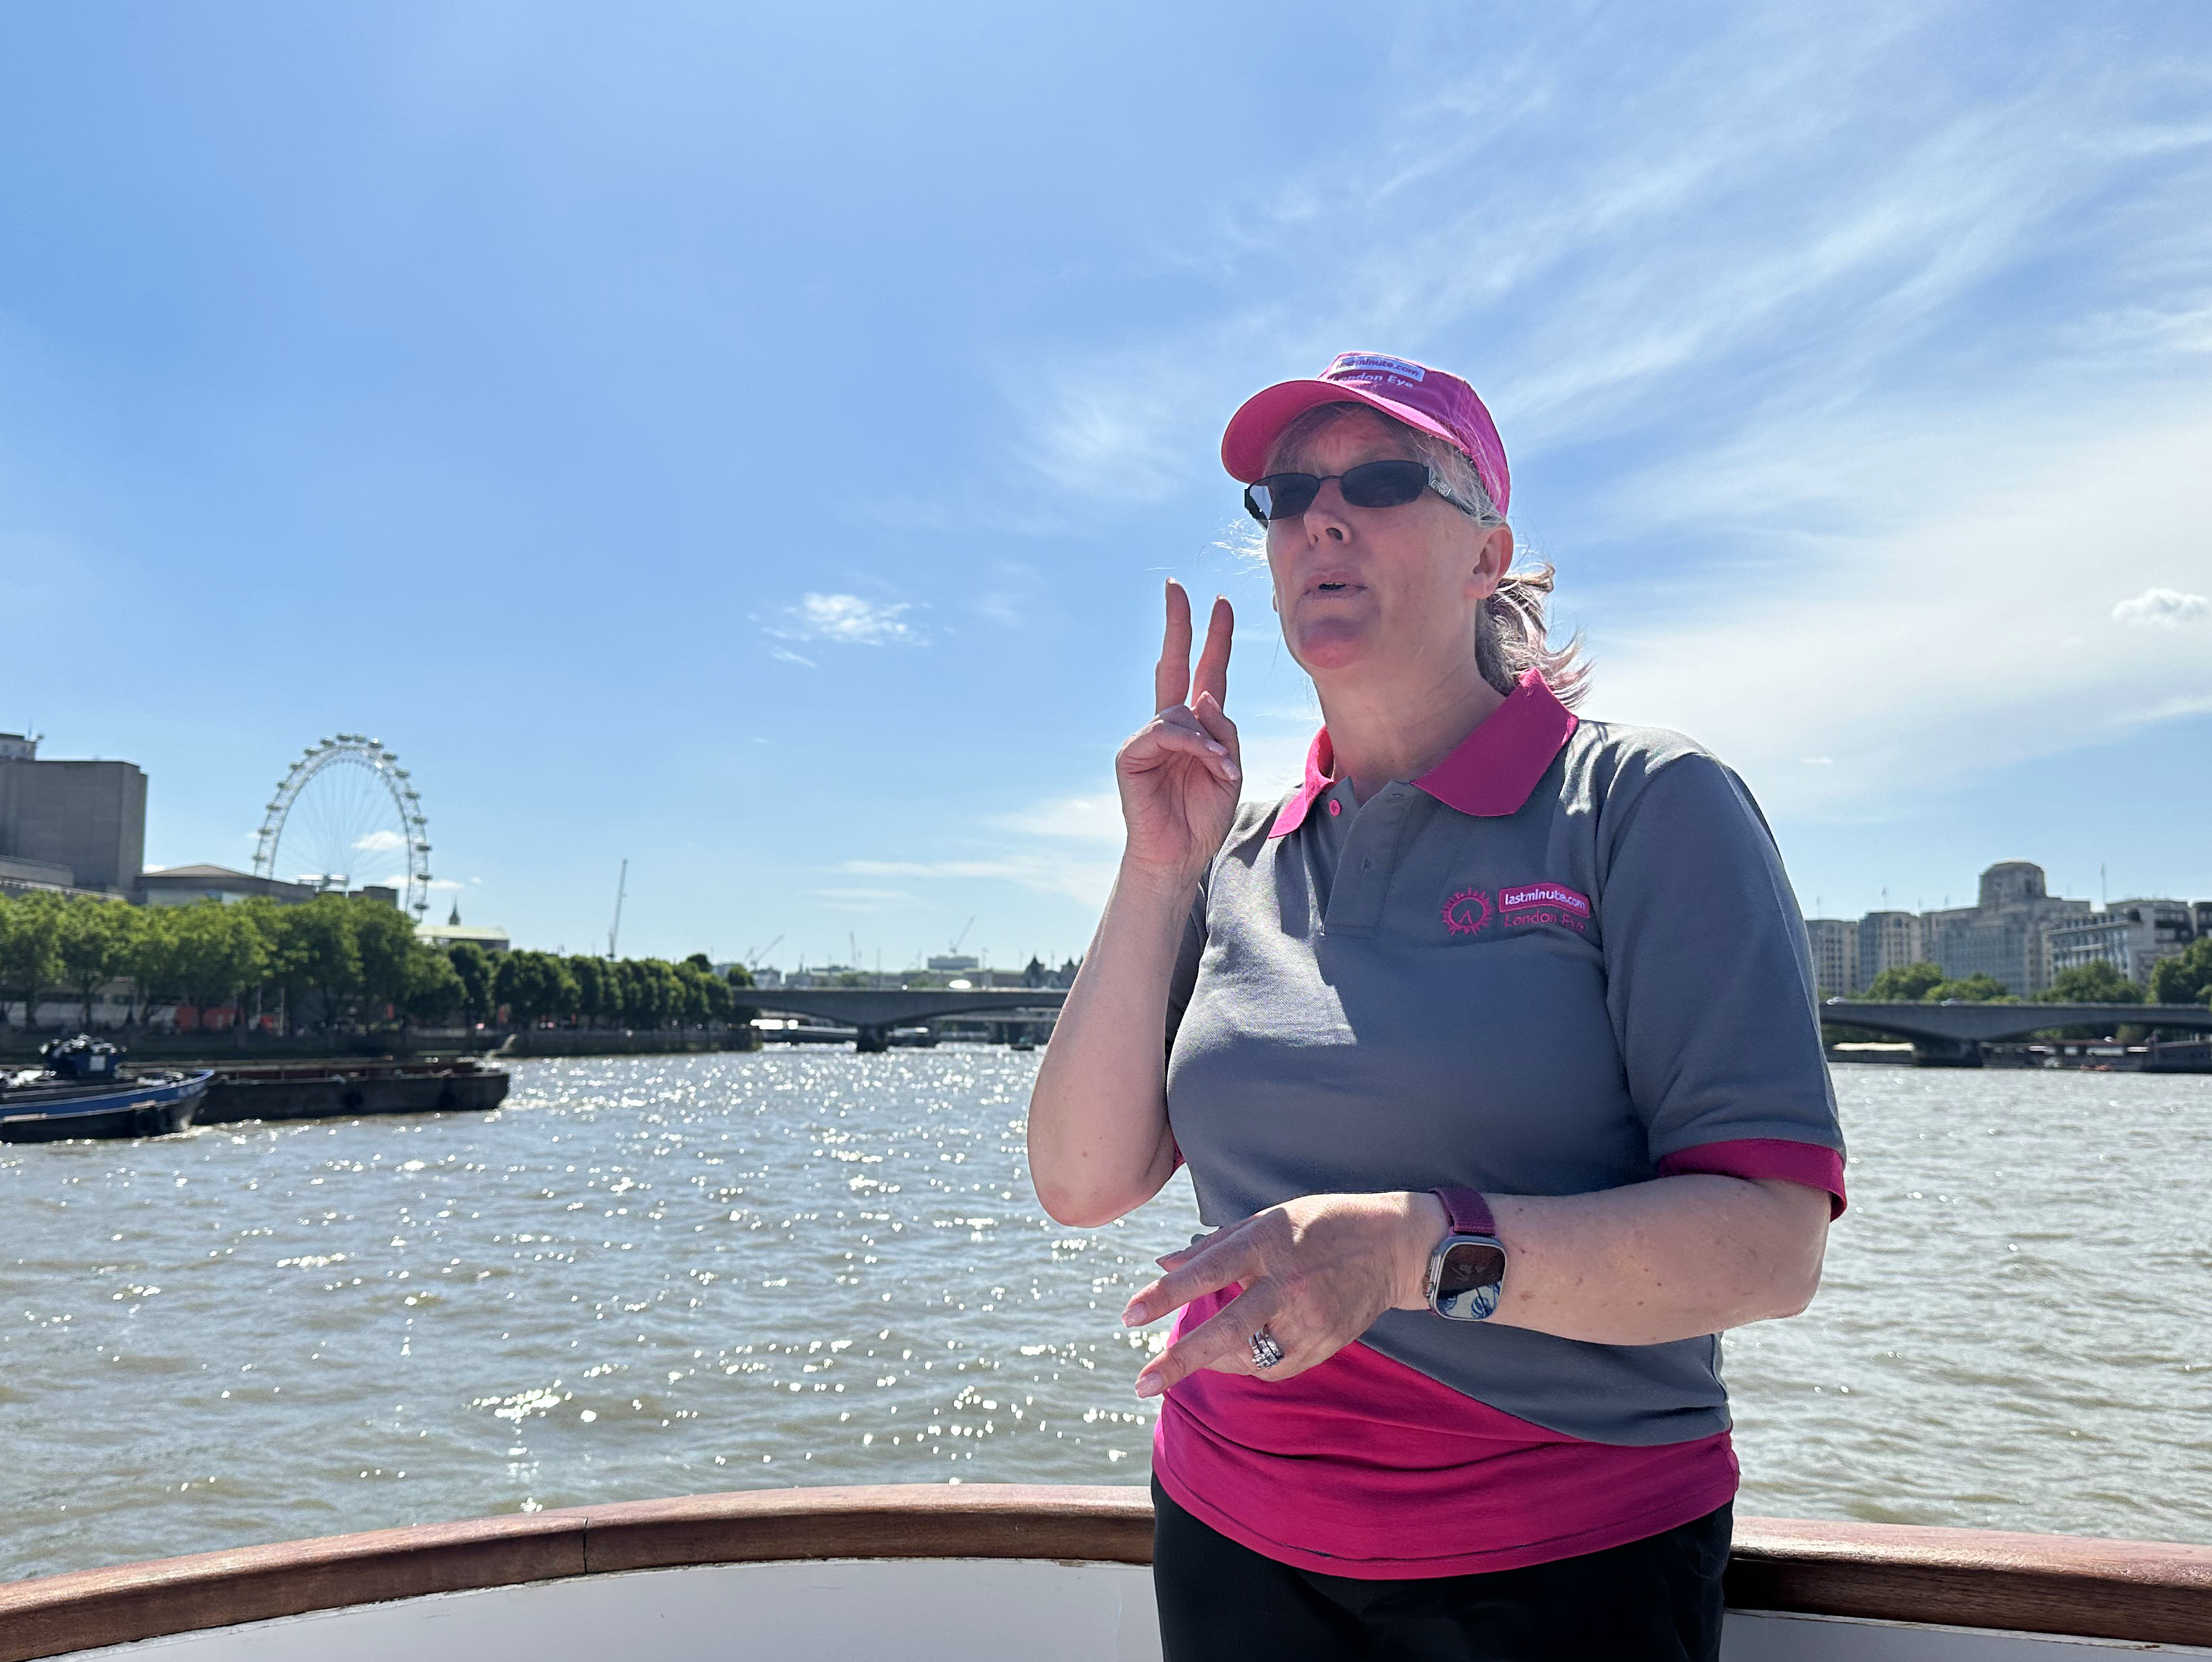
{"x":1260,"y":419}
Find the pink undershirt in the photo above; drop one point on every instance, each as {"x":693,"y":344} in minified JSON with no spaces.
{"x":1364,"y":1467}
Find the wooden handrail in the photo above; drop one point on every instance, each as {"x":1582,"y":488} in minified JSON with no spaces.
{"x":2147,"y":1592}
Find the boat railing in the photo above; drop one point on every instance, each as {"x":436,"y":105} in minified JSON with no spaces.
{"x":2140,"y":1591}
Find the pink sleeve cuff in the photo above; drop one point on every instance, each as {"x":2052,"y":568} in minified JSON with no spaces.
{"x":1765,"y":1157}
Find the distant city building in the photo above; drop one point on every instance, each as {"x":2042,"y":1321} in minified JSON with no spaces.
{"x":187,"y":886}
{"x":2130,"y":935}
{"x":34,"y":874}
{"x":1888,"y":940}
{"x":1835,"y":943}
{"x":2006,"y":936}
{"x":452,"y":932}
{"x":953,"y":962}
{"x":86,"y":819}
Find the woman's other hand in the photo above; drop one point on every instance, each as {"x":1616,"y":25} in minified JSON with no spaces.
{"x":1315,"y":1273}
{"x":1179,"y":775}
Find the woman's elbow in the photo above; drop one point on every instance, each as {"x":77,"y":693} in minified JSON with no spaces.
{"x":1791,"y":1294}
{"x":1078,"y":1207}
{"x":1796,"y":1274}
{"x":1091,"y":1197}
{"x":1796,"y":1231}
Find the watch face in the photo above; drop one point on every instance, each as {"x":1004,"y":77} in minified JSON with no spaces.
{"x":1467,"y":1280}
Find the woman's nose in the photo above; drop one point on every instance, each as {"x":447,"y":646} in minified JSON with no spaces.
{"x":1326,"y":517}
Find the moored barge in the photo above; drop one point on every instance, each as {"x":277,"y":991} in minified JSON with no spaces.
{"x":339,"y":1090}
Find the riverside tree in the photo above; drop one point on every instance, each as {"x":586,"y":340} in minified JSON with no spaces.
{"x":2186,"y":979}
{"x":30,"y":956}
{"x":94,"y":945}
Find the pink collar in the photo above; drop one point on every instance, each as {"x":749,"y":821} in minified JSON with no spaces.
{"x":1489,"y":774}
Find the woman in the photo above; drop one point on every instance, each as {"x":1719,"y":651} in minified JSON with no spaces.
{"x":1493,"y":1052}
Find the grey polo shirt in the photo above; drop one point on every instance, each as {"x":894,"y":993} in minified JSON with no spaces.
{"x":1565,"y":956}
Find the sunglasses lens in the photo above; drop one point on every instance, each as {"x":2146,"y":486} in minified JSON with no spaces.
{"x":1385,"y":483}
{"x":1281,"y":497}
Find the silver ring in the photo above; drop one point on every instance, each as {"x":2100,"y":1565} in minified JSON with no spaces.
{"x":1265,"y":1351}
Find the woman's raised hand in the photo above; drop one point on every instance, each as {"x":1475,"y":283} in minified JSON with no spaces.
{"x":1179,"y":774}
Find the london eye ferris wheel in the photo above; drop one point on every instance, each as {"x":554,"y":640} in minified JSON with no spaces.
{"x":346,"y":817}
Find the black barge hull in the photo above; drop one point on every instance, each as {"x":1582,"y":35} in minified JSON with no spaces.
{"x":275,"y":1094}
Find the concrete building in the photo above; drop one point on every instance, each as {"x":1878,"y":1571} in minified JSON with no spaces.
{"x":1888,"y":940}
{"x":187,"y":886}
{"x":1835,"y":942}
{"x":2007,"y":936}
{"x":87,"y":819}
{"x":2130,"y":935}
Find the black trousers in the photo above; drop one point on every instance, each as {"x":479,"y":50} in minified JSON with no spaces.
{"x":1654,"y":1600}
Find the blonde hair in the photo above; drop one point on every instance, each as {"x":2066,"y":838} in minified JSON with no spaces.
{"x":1512,"y":632}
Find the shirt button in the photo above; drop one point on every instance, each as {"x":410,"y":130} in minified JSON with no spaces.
{"x":1336,"y":807}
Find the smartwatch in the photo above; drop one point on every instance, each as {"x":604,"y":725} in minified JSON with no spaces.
{"x":1467,"y":1270}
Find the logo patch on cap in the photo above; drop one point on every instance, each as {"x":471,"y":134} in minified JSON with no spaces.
{"x":1372,"y":366}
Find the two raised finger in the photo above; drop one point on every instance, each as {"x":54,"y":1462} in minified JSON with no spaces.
{"x":1173,"y":681}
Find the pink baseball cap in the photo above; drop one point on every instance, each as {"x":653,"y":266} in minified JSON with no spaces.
{"x":1430,"y":399}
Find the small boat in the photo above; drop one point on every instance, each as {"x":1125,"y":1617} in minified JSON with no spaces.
{"x":983,"y":1571}
{"x":336,"y":1090}
{"x":84,"y":1091}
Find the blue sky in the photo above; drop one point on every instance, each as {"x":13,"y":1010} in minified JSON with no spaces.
{"x":749,"y":442}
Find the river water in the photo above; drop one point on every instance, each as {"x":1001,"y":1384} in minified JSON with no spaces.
{"x":658,"y":1276}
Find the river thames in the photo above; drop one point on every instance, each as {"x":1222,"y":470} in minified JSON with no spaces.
{"x":659,"y":1276}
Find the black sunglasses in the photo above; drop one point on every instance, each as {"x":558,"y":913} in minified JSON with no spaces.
{"x":1370,"y":484}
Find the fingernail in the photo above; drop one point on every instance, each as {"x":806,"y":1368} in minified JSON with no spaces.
{"x":1229,"y":769}
{"x":1148,"y":1387}
{"x":1216,"y":747}
{"x":1132,"y":1316}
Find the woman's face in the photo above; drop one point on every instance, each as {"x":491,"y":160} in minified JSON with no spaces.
{"x":1387,"y":589}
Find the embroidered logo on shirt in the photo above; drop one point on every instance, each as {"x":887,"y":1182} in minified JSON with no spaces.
{"x":1466,"y":912}
{"x":1527,"y":904}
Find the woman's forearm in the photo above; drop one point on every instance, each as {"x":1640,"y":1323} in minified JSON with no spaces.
{"x":1674,"y":1258}
{"x":1098,"y":1139}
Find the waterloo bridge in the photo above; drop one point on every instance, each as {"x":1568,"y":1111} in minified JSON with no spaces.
{"x":1952,"y":1035}
{"x":873,"y":1012}
{"x":1942,"y":1035}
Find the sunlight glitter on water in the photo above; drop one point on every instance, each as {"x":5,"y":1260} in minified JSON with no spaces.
{"x":659,"y":1276}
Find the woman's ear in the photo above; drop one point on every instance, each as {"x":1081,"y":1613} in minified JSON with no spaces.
{"x":1493,"y":558}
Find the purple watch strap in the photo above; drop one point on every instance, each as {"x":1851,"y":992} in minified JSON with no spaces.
{"x":1469,"y":1213}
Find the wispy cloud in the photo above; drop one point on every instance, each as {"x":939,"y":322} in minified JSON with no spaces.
{"x":2163,"y":608}
{"x":381,"y":842}
{"x":845,"y":620}
{"x":1875,"y":391}
{"x":1085,"y":880}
